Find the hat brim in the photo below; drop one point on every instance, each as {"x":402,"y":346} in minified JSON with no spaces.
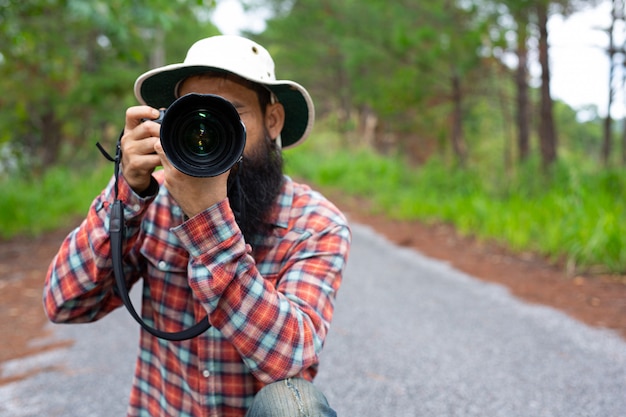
{"x":157,"y":88}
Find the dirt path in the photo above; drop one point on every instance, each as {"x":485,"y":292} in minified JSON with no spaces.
{"x":23,"y":265}
{"x":597,"y":301}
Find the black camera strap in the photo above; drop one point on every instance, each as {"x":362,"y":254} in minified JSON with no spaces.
{"x":116,"y":233}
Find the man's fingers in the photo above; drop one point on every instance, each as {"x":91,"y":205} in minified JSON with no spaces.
{"x":136,"y":114}
{"x":138,"y":156}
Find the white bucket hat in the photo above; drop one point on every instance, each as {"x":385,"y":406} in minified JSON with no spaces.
{"x":240,"y":56}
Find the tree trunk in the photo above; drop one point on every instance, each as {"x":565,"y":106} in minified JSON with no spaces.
{"x":521,"y":81}
{"x":458,"y":140}
{"x":157,"y":54}
{"x":547,"y":131}
{"x":368,"y":124}
{"x":624,"y":141}
{"x":345,"y":99}
{"x":51,"y":135}
{"x":608,"y":121}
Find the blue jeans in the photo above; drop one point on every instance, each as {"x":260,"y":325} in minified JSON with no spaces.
{"x":292,"y":397}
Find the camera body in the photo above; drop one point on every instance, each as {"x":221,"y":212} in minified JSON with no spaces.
{"x":202,"y":134}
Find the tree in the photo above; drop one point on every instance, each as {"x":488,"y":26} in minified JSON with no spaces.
{"x":384,"y":61}
{"x":421,"y":71}
{"x":530,"y":19}
{"x":547,"y":129}
{"x":521,"y":12}
{"x":608,"y":120}
{"x":67,"y":63}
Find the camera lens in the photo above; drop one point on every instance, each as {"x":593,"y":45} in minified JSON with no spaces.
{"x":202,"y":135}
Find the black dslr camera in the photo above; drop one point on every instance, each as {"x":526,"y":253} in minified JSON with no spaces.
{"x":202,"y":134}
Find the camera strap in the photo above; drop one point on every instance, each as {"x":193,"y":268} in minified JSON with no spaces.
{"x":116,"y":233}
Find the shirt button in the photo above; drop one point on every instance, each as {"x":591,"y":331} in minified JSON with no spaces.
{"x":162,"y":265}
{"x":136,"y":207}
{"x":206,"y":373}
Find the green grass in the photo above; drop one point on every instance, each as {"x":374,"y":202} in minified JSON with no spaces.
{"x":32,"y":206}
{"x":572,"y":215}
{"x":577,"y":215}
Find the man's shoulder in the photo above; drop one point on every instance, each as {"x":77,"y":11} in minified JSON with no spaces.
{"x":312,"y":206}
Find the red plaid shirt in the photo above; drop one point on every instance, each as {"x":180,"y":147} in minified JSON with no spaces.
{"x":269,"y":308}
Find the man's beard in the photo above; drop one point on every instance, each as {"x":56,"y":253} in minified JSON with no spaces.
{"x":254,"y":188}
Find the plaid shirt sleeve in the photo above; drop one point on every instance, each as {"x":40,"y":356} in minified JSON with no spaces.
{"x":79,"y":284}
{"x":278,"y":330}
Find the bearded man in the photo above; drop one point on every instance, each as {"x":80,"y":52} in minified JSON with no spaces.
{"x":257,"y":255}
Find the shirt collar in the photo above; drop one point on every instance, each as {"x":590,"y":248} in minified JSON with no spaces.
{"x":282,"y":210}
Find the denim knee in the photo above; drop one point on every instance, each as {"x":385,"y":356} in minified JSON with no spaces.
{"x":292,"y":397}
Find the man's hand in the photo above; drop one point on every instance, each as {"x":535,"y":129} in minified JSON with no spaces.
{"x":192,"y":194}
{"x":139,"y":159}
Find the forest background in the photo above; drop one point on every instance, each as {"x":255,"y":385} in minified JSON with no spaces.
{"x":426,"y":109}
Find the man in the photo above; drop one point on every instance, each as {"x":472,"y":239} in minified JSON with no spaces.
{"x":267,"y":281}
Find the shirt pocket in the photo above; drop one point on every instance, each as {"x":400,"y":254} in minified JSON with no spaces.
{"x":166,"y":279}
{"x":163,"y":256}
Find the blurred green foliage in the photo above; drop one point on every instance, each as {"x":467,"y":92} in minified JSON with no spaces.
{"x":576,"y":215}
{"x":58,"y":199}
{"x":67,"y":69}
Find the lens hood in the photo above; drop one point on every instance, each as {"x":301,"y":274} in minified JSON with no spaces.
{"x":202,"y":135}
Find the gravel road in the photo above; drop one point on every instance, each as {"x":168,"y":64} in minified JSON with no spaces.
{"x":411,"y":337}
